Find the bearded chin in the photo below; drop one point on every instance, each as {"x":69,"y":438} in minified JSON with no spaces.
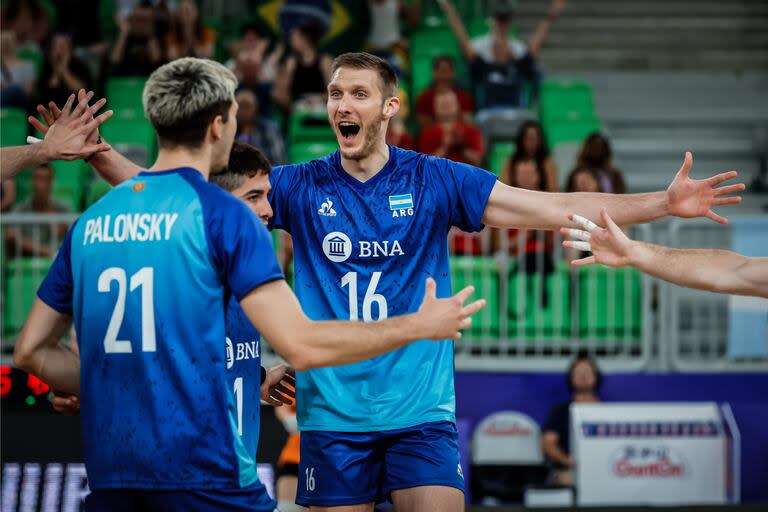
{"x":371,"y":134}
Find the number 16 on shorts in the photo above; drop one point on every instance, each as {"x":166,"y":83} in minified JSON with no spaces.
{"x":310,"y":475}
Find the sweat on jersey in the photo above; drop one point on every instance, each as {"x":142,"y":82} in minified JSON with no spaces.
{"x":146,"y":273}
{"x":363,"y":251}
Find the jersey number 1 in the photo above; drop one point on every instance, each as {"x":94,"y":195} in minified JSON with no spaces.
{"x":144,"y":279}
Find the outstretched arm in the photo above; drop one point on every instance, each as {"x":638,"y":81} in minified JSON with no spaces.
{"x":459,"y":30}
{"x":67,"y":140}
{"x":714,"y":270}
{"x":308,"y":344}
{"x":510,"y":207}
{"x":545,"y":25}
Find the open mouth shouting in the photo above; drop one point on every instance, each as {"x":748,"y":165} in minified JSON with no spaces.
{"x":348,"y":131}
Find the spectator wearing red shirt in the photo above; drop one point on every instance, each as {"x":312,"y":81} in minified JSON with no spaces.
{"x":443,"y":80}
{"x":450,"y":137}
{"x":397,"y":133}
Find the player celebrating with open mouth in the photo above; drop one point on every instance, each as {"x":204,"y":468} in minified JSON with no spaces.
{"x":369,"y":223}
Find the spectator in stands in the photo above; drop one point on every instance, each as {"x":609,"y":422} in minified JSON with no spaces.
{"x":530,"y":144}
{"x":443,"y":79}
{"x":583,"y":179}
{"x":17,"y":76}
{"x":500,"y":64}
{"x":29,"y":20}
{"x":397,"y":133}
{"x":533,"y":245}
{"x":385,"y":37}
{"x":254,"y":65}
{"x":137,"y":50}
{"x":63,"y":73}
{"x":189,"y":37}
{"x":596,"y":154}
{"x":7,"y":195}
{"x":306,"y":73}
{"x":38,"y":240}
{"x":450,"y":137}
{"x":258,"y":131}
{"x":583,"y":382}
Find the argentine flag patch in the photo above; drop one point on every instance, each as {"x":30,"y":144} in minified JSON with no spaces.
{"x":401,"y":202}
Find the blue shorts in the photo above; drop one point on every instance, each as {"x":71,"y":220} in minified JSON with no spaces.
{"x":350,"y":468}
{"x":249,"y":499}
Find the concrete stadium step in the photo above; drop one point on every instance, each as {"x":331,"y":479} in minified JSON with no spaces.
{"x":618,"y":59}
{"x":713,"y":40}
{"x":655,"y":172}
{"x":658,"y":7}
{"x":650,"y":22}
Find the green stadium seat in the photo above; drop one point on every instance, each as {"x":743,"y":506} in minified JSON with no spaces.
{"x":13,"y":127}
{"x":310,"y":125}
{"x":305,"y":151}
{"x":483,"y":273}
{"x":609,"y":303}
{"x":570,"y":128}
{"x":499,"y":153}
{"x":107,"y":11}
{"x":539,"y":305}
{"x":69,"y":183}
{"x":23,"y":277}
{"x":124,"y":93}
{"x":562,"y":98}
{"x":132,"y":134}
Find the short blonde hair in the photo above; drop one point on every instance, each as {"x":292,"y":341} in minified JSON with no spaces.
{"x":183,"y":97}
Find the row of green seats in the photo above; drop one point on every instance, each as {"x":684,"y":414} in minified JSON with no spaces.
{"x":499,"y":153}
{"x":566,"y":110}
{"x":599,"y":303}
{"x":13,"y":127}
{"x":22,"y":279}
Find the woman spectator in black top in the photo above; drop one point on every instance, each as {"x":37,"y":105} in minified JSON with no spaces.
{"x":596,"y":154}
{"x":62,"y":73}
{"x":531,"y":145}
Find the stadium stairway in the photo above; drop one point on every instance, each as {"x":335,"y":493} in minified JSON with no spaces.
{"x":666,"y":76}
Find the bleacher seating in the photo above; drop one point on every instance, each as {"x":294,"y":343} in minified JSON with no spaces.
{"x":23,"y":277}
{"x":14,"y":127}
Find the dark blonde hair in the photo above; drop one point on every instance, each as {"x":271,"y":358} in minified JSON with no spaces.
{"x":362,"y":60}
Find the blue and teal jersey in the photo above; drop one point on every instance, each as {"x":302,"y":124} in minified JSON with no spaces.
{"x":147,"y":273}
{"x":363,"y":251}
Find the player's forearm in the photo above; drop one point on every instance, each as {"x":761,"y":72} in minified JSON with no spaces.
{"x":336,"y":343}
{"x":624,"y":209}
{"x":39,"y":352}
{"x":114,"y":167}
{"x":14,"y":159}
{"x":714,"y":270}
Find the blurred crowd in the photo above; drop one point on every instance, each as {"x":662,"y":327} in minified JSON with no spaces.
{"x":52,"y":49}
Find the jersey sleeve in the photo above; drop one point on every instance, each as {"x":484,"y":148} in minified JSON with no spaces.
{"x":57,"y":288}
{"x":239,"y":244}
{"x":285,"y":181}
{"x":465,"y":190}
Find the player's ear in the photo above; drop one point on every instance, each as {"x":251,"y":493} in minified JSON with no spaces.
{"x":216,"y":128}
{"x":391,"y":107}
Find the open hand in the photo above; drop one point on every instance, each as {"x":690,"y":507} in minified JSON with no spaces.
{"x":65,"y":403}
{"x":609,"y":245}
{"x":696,"y":198}
{"x":443,"y":319}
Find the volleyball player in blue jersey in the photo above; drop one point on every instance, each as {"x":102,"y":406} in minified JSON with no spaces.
{"x":145,"y":274}
{"x":369,"y":222}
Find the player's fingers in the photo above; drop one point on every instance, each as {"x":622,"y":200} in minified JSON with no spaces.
{"x":580,"y":246}
{"x":68,"y":104}
{"x":46,"y":115}
{"x":91,"y":111}
{"x":98,"y":121}
{"x":473,"y":308}
{"x":464,"y":294}
{"x":282,"y":389}
{"x":54,"y":109}
{"x":725,"y":176}
{"x":584,"y":222}
{"x":726,"y":200}
{"x":81,"y":107}
{"x":730,"y":189}
{"x":37,"y":125}
{"x":430,"y":288}
{"x":577,"y":234}
{"x":584,"y":262}
{"x":95,"y":148}
{"x":291,"y":373}
{"x":685,"y":169}
{"x":466,"y":323}
{"x":608,"y":221}
{"x":717,"y":218}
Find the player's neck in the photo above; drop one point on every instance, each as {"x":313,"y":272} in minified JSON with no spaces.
{"x":368,"y":167}
{"x":181,"y":157}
